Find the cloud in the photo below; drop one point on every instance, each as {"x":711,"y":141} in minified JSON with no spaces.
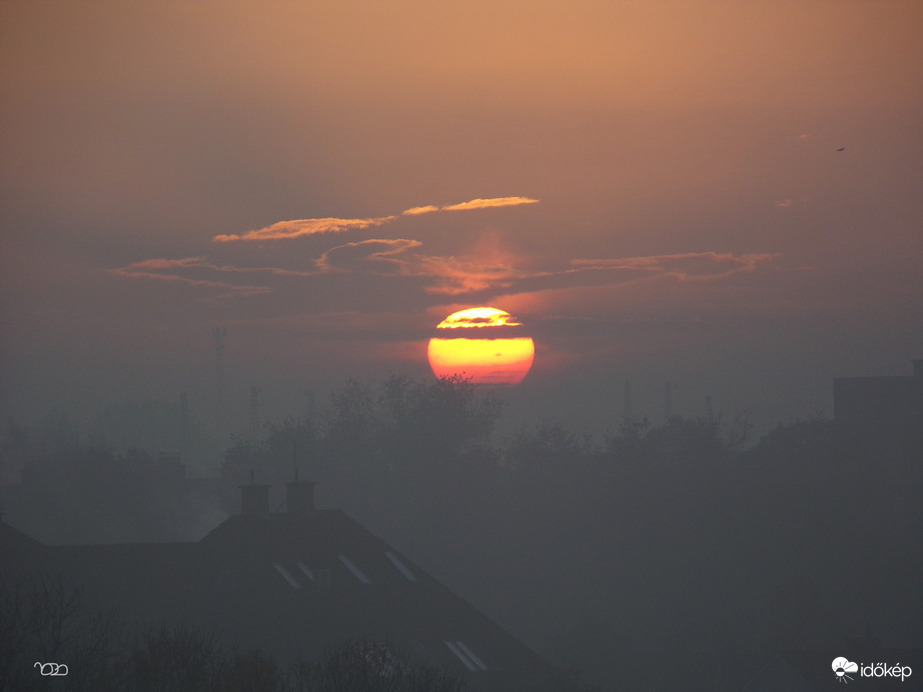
{"x":163,"y":269}
{"x":635,"y":283}
{"x":689,"y":266}
{"x":489,"y":203}
{"x":231,"y":290}
{"x":301,"y":227}
{"x":393,"y":257}
{"x":447,"y":275}
{"x":203,"y":263}
{"x":378,"y":255}
{"x":416,"y":211}
{"x":488,"y":269}
{"x":454,"y":276}
{"x":477,"y":276}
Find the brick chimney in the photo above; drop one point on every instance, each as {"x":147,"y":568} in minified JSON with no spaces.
{"x":254,"y":498}
{"x":299,"y":496}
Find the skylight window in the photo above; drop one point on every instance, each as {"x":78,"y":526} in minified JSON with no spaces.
{"x":286,"y":575}
{"x":460,"y":655}
{"x":475,"y":659}
{"x":357,"y":573}
{"x":401,"y":566}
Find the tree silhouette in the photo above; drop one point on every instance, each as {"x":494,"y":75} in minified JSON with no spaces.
{"x":368,"y":666}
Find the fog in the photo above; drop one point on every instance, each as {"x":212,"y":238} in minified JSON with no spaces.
{"x":713,"y":206}
{"x":664,"y":547}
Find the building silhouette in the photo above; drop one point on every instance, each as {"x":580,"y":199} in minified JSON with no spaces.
{"x":293,"y":584}
{"x":884,"y":415}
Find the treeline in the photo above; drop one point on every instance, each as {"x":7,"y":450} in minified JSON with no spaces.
{"x":64,"y":486}
{"x":635,"y":558}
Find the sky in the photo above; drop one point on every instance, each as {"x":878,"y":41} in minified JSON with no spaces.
{"x":720,"y":195}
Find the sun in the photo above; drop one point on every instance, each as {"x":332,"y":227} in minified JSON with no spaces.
{"x":486,"y":345}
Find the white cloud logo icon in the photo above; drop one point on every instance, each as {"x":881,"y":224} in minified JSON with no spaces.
{"x":841,"y":666}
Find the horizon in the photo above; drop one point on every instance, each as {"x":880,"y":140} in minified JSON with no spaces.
{"x":724,"y":199}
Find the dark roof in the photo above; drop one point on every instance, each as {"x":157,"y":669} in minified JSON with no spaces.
{"x":295,"y":586}
{"x":18,"y":549}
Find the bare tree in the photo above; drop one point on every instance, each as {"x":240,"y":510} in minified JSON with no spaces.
{"x":45,"y":619}
{"x":366,"y":666}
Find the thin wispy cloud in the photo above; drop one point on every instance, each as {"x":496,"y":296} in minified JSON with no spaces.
{"x":378,"y":255}
{"x":417,"y":211}
{"x":465,"y":275}
{"x":445,"y":275}
{"x":490,"y":203}
{"x":202,"y":263}
{"x":188,"y":270}
{"x":474,"y":274}
{"x":689,"y":266}
{"x":485,"y":271}
{"x":296,"y":228}
{"x":230,"y":290}
{"x":301,"y":227}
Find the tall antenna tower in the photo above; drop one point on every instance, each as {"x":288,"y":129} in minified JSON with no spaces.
{"x":221,"y":394}
{"x":254,"y":414}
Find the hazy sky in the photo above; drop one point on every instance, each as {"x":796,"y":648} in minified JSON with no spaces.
{"x":723,"y":195}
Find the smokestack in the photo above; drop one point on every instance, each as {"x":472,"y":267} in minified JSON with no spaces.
{"x":254,"y":498}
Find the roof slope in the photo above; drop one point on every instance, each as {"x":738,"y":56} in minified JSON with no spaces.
{"x":294,"y":585}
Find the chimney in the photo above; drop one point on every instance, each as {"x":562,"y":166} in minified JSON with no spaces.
{"x":299,"y":496}
{"x":254,"y":498}
{"x":170,"y":466}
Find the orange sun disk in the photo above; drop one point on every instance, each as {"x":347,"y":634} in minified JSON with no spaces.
{"x":485,"y":349}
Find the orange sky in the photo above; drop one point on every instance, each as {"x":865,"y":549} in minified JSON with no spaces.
{"x":655,"y":188}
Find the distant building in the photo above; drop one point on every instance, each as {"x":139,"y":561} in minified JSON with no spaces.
{"x":885,"y":415}
{"x":294,"y":585}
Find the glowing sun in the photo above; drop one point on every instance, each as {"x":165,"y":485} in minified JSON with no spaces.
{"x":486,"y":345}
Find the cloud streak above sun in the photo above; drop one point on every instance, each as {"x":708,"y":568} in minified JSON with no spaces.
{"x":491,"y":203}
{"x":299,"y":227}
{"x":282,"y":230}
{"x":482,"y":273}
{"x":195,"y":267}
{"x":457,"y":276}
